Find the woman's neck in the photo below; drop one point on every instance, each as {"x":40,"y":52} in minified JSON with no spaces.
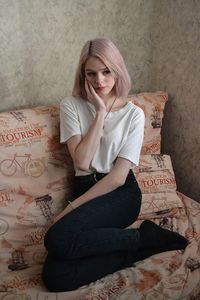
{"x":108,"y":100}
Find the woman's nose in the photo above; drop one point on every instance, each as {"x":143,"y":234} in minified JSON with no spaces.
{"x":99,"y":78}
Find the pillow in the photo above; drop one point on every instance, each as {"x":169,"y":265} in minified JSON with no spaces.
{"x":36,"y":175}
{"x":160,"y":205}
{"x":157,"y":182}
{"x":153,"y":104}
{"x":155,"y":174}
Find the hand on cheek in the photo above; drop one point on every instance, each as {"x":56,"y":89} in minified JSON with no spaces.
{"x":93,"y":97}
{"x":90,"y":90}
{"x":87,"y":89}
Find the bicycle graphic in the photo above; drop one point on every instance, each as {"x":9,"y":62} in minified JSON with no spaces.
{"x":31,"y":167}
{"x":3,"y":226}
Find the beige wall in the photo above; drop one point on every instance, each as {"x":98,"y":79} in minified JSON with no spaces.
{"x":40,"y":42}
{"x":176,"y":69}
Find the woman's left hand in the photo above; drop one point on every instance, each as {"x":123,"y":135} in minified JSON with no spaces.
{"x":62,"y":214}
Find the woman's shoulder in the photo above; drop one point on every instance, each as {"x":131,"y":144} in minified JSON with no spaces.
{"x":71,"y":100}
{"x":134,"y":108}
{"x":136,"y":113}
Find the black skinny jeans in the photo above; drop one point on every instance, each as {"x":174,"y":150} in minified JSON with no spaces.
{"x":92,"y":241}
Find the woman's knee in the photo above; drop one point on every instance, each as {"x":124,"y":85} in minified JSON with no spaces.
{"x":55,"y":238}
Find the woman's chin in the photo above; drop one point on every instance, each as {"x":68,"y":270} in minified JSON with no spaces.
{"x":101,"y":94}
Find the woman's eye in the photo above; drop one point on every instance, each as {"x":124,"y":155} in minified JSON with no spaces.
{"x":90,"y":74}
{"x":106,"y":72}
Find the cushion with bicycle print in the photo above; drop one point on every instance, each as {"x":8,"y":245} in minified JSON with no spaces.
{"x":36,"y":176}
{"x":153,"y":104}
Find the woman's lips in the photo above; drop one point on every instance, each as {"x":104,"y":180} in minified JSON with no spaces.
{"x":100,"y":88}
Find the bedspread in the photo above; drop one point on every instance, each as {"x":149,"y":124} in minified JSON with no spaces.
{"x":169,"y":275}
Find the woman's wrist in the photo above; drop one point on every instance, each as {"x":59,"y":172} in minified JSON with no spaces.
{"x":70,"y":205}
{"x":100,"y":114}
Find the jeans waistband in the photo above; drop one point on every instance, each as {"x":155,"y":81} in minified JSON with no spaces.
{"x":96,"y":176}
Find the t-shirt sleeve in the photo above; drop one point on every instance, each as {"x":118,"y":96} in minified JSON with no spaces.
{"x":133,"y":144}
{"x":69,"y":121}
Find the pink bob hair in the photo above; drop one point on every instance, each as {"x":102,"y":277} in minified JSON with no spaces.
{"x":108,"y":53}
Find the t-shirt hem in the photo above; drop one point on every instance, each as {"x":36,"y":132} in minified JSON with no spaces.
{"x":64,"y":140}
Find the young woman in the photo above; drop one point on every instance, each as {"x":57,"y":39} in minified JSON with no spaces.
{"x":104,"y":135}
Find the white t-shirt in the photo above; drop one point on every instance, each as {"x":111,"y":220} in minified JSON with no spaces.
{"x":122,"y":134}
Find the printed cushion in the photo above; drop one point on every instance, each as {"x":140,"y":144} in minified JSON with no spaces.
{"x":153,"y":105}
{"x":36,"y":175}
{"x":157,"y":182}
{"x":155,"y":174}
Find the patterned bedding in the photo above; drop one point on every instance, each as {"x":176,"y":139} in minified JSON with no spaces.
{"x":36,"y":176}
{"x":169,"y":275}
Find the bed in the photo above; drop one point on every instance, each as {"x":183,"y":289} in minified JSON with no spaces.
{"x":36,"y":177}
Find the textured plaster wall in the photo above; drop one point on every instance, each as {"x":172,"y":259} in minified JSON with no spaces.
{"x":40,"y":42}
{"x":176,"y":69}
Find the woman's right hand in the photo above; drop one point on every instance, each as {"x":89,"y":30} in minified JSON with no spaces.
{"x":94,"y":98}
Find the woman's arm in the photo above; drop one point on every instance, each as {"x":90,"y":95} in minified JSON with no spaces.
{"x":110,"y":182}
{"x":82,"y":149}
